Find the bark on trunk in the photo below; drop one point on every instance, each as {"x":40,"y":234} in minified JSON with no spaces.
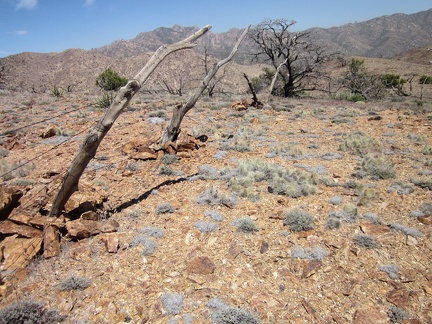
{"x":124,"y":95}
{"x":172,"y":131}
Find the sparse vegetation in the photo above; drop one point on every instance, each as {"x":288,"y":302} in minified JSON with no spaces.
{"x":172,"y":303}
{"x":246,"y":225}
{"x":316,"y":253}
{"x":378,"y":167}
{"x":299,"y":220}
{"x":165,"y":208}
{"x":29,"y":311}
{"x":359,"y":143}
{"x":74,"y":283}
{"x":365,"y":241}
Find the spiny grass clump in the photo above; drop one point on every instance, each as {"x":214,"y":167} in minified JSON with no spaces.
{"x":29,"y":311}
{"x":348,"y":214}
{"x":359,"y":143}
{"x":214,"y":197}
{"x":299,"y":220}
{"x":74,"y":283}
{"x":280,"y":180}
{"x":246,"y":225}
{"x":378,"y":167}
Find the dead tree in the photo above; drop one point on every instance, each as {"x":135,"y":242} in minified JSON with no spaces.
{"x":173,"y":130}
{"x":121,"y":100}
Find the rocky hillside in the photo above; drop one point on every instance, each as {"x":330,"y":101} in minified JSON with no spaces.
{"x":384,"y":36}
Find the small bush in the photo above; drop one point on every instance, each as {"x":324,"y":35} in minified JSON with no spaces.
{"x":397,"y":315}
{"x":104,"y":101}
{"x":206,"y":227}
{"x":299,"y":220}
{"x":215,"y":215}
{"x":406,"y":230}
{"x":75,"y":283}
{"x":159,"y":113}
{"x":168,"y":159}
{"x":422,"y":183}
{"x":336,"y":200}
{"x":165,"y":209}
{"x":365,"y":241}
{"x":245,"y":225}
{"x":172,"y":303}
{"x":391,"y":270}
{"x":233,"y":315}
{"x":134,"y":213}
{"x":359,"y":143}
{"x":213,"y":197}
{"x":57,"y":91}
{"x":316,"y":253}
{"x":149,"y":245}
{"x":110,"y":80}
{"x":401,"y":188}
{"x":152,"y":231}
{"x":425,"y":79}
{"x":29,"y":311}
{"x":378,"y":167}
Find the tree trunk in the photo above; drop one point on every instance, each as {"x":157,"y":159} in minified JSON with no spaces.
{"x":173,"y":130}
{"x":121,"y":100}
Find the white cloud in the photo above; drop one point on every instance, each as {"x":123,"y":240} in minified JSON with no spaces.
{"x":26,"y":4}
{"x":21,"y":32}
{"x":88,"y":3}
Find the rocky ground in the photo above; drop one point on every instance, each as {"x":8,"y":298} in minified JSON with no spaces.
{"x":312,"y":211}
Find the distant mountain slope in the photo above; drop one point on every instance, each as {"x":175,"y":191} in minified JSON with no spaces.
{"x":384,"y":36}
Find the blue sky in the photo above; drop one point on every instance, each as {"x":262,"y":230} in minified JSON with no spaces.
{"x":56,"y":25}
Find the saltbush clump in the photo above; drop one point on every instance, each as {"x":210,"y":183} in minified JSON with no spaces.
{"x":206,"y":227}
{"x":405,"y":230}
{"x":149,"y":245}
{"x":29,"y":311}
{"x":365,"y":241}
{"x":392,"y":271}
{"x":165,"y":209}
{"x":299,"y":220}
{"x":245,"y":225}
{"x":316,"y":253}
{"x":172,"y":303}
{"x":75,"y":283}
{"x":215,"y":215}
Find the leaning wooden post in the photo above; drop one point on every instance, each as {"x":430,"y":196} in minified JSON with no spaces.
{"x":173,"y":130}
{"x":121,"y":100}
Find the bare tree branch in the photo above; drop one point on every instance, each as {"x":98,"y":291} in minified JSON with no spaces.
{"x":172,"y":131}
{"x":95,"y":136}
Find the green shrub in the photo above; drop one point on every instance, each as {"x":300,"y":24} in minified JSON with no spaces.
{"x":110,"y":80}
{"x":393,"y":80}
{"x":104,"y":101}
{"x":299,"y":220}
{"x":57,"y":92}
{"x":425,"y":79}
